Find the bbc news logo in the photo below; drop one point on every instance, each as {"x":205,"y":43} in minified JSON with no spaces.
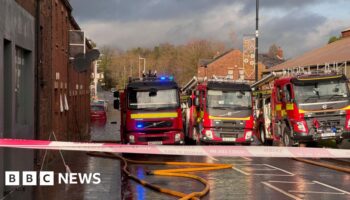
{"x":47,"y":178}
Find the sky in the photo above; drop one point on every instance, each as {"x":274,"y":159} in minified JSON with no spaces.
{"x":295,"y":25}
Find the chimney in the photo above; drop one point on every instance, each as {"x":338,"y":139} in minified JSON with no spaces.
{"x":279,"y":54}
{"x":345,"y":33}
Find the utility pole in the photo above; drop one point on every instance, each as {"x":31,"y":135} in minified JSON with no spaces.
{"x":257,"y":42}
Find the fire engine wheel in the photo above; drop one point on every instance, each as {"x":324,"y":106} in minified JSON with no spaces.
{"x":286,"y":138}
{"x":262,"y":135}
{"x":196,"y":136}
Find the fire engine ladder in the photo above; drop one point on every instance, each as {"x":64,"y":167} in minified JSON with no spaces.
{"x":267,"y":79}
{"x":192,"y":84}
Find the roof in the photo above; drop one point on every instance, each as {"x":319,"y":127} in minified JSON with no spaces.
{"x":206,"y":62}
{"x":265,"y":59}
{"x":336,"y":52}
{"x":269,"y":61}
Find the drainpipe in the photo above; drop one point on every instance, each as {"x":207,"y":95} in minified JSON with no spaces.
{"x":37,"y":79}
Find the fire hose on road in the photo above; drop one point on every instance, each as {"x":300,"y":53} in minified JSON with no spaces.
{"x":179,"y":172}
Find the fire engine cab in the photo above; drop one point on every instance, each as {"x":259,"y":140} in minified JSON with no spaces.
{"x":303,"y":109}
{"x":150,"y":111}
{"x":218,"y":111}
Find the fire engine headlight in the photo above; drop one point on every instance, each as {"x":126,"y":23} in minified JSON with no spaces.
{"x":177,"y":137}
{"x":209,"y":134}
{"x":348,"y":124}
{"x":301,"y":126}
{"x":248,"y":135}
{"x":131,"y":139}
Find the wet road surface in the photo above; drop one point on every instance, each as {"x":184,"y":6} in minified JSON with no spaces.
{"x":258,"y":178}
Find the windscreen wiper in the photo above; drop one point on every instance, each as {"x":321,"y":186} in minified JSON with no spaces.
{"x":219,"y":108}
{"x":335,"y":95}
{"x":242,"y":108}
{"x":311,"y":97}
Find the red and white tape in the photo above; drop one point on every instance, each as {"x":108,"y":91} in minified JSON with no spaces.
{"x":213,"y":151}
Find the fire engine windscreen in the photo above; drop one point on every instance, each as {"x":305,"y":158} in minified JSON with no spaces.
{"x":153,"y":99}
{"x":322,"y":91}
{"x":237,"y":100}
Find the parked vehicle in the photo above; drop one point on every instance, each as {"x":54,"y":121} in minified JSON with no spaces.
{"x":104,"y":103}
{"x":98,"y":114}
{"x":150,"y":111}
{"x":218,"y":111}
{"x":303,"y":109}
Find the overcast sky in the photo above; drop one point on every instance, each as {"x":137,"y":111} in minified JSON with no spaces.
{"x":295,"y":25}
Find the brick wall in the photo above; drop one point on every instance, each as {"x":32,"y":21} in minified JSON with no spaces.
{"x":58,"y":80}
{"x":230,"y":64}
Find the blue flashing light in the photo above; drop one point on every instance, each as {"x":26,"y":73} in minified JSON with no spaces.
{"x":139,"y":125}
{"x":171,"y":78}
{"x":163,"y":78}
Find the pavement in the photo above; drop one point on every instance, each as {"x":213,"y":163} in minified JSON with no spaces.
{"x":258,"y":178}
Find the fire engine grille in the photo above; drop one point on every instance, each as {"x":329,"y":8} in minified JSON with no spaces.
{"x":338,"y":122}
{"x":152,"y":139}
{"x":236,"y":124}
{"x":158,"y":124}
{"x":330,"y":123}
{"x":229,"y":135}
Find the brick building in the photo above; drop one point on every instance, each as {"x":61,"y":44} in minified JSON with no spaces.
{"x":64,"y":93}
{"x":236,"y":65}
{"x":40,"y":92}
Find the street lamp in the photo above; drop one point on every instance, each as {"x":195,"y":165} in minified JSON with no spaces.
{"x":144,"y":65}
{"x":257,"y":42}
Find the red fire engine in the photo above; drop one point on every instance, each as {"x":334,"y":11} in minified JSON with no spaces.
{"x":302,"y":109}
{"x":150,"y":111}
{"x":218,"y":111}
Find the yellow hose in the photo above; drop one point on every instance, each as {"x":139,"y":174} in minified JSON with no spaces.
{"x":192,"y":167}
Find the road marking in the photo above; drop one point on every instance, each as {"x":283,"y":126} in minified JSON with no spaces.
{"x":271,"y":168}
{"x":261,"y":170}
{"x":281,"y":191}
{"x":290,"y":182}
{"x":243,"y":172}
{"x":334,"y":188}
{"x":313,"y":192}
{"x":249,"y":164}
{"x":245,"y":158}
{"x":285,"y":171}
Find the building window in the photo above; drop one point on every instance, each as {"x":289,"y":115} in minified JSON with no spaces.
{"x":20,"y":85}
{"x":230,"y":73}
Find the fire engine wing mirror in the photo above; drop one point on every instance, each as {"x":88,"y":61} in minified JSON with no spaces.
{"x":116,"y":94}
{"x":189,"y":102}
{"x":152,"y":92}
{"x":196,"y":101}
{"x":116,"y":104}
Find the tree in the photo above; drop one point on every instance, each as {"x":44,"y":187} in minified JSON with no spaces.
{"x":105,"y":67}
{"x":273,"y":50}
{"x":333,"y":39}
